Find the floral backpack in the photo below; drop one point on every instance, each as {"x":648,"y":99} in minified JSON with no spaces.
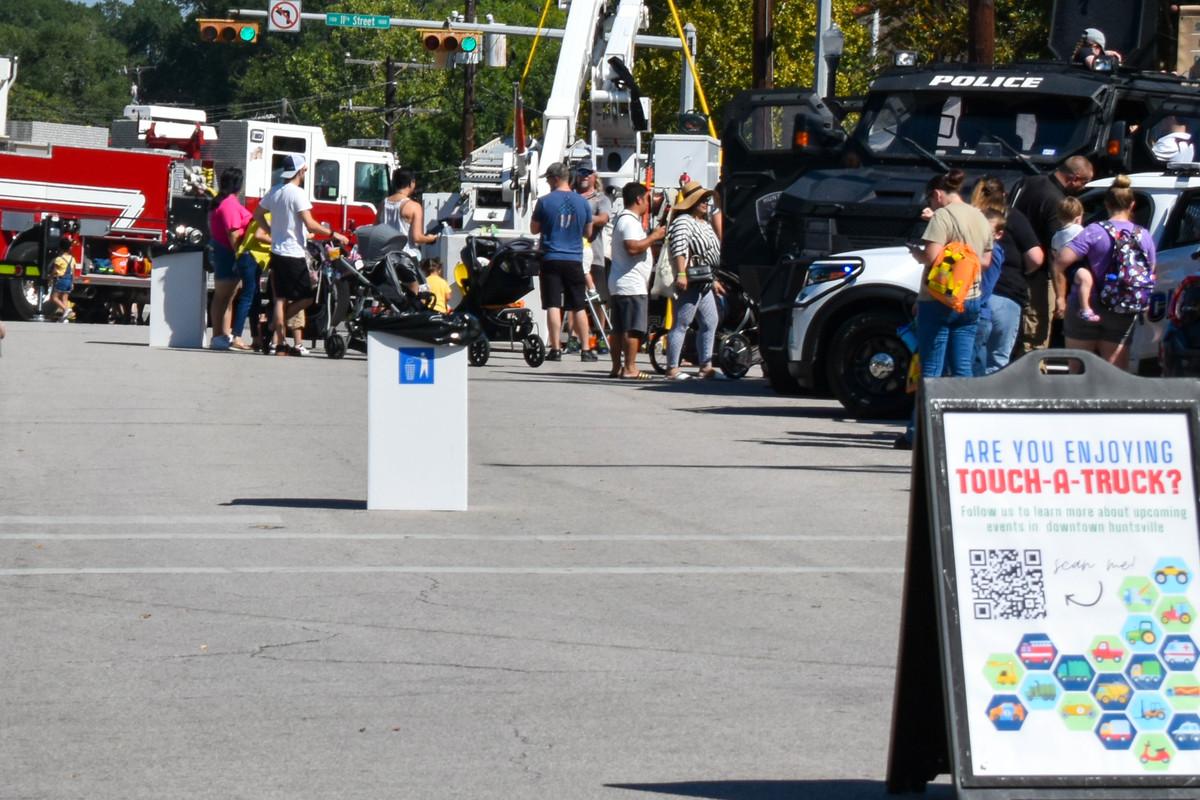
{"x":1129,"y":281}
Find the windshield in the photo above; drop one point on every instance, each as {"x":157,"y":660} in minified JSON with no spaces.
{"x":965,"y":126}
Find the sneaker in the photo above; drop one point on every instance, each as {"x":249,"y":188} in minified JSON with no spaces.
{"x":65,"y":318}
{"x":573,"y":345}
{"x":300,"y":350}
{"x":220,"y":343}
{"x":269,"y":350}
{"x":554,"y":355}
{"x":589,"y":355}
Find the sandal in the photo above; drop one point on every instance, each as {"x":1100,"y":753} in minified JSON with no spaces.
{"x":679,"y":376}
{"x":641,"y":376}
{"x":1087,"y":315}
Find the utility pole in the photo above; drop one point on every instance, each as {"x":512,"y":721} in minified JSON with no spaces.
{"x":763,"y":56}
{"x":389,"y":104}
{"x":468,"y":134}
{"x":981,"y":33}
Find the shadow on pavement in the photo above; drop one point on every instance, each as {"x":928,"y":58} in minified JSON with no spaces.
{"x":118,"y":344}
{"x":334,"y":503}
{"x":879,"y":440}
{"x":778,"y":790}
{"x":882,"y":469}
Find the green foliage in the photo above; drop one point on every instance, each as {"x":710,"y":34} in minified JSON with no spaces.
{"x":69,"y":69}
{"x":72,"y":55}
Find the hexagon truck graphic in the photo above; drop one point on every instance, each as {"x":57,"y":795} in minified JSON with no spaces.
{"x":1171,"y":574}
{"x":1036,"y":651}
{"x":1145,"y":671}
{"x":1107,"y":653}
{"x":1175,"y":613}
{"x":1040,"y":691}
{"x":1141,"y":633}
{"x":1074,"y":673}
{"x":1154,"y":751}
{"x":1007,"y":712}
{"x":1149,"y":711}
{"x":1179,"y":652}
{"x":1115,"y":732}
{"x":1138,"y":594}
{"x":1003,"y":671}
{"x":1182,"y":691}
{"x":1112,"y":692}
{"x":1185,"y":731}
{"x":1078,"y":711}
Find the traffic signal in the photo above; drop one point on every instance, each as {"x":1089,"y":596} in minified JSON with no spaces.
{"x":228,"y":31}
{"x":445,"y":43}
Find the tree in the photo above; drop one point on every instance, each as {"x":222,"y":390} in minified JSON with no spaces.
{"x":69,"y":69}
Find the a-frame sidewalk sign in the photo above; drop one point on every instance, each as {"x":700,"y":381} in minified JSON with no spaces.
{"x":1050,"y":631}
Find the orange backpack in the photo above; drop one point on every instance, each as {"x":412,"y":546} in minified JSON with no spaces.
{"x":954,"y":272}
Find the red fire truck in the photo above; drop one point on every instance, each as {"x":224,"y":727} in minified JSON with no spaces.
{"x":145,"y":191}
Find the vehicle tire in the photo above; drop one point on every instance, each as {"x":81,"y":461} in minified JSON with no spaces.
{"x":1186,"y":619}
{"x":335,"y":346}
{"x":735,"y":355}
{"x":867,"y":366}
{"x":772,"y":334}
{"x":19,"y":297}
{"x":656,"y":348}
{"x":479,"y":351}
{"x":534,"y":351}
{"x":1160,"y":577}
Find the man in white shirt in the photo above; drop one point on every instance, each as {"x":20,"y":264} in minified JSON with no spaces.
{"x":629,"y":280}
{"x":1176,"y":144}
{"x":291,"y":221}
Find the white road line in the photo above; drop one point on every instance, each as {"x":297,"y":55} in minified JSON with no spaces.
{"x":34,"y":572}
{"x":252,"y":535}
{"x":144,"y":519}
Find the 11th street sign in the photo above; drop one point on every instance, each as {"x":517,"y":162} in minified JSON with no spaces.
{"x":358,"y":21}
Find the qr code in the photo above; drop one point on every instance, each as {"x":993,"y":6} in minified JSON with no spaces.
{"x":1007,"y":584}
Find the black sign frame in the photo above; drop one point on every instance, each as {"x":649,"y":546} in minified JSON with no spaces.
{"x":926,"y":743}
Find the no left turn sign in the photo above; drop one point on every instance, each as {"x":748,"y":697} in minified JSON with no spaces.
{"x":283,"y":16}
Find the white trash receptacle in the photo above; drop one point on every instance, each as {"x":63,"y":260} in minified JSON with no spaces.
{"x":178,"y":300}
{"x":416,"y":425}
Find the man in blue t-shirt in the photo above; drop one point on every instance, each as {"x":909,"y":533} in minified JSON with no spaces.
{"x":564,"y":220}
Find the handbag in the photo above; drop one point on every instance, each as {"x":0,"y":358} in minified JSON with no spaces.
{"x":663,"y":284}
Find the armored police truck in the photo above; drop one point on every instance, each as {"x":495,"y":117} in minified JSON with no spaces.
{"x":817,"y":221}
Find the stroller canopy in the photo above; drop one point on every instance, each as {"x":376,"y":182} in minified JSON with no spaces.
{"x":376,"y":241}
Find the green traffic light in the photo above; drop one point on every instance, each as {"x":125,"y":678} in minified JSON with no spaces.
{"x":469,"y":43}
{"x":247,"y":33}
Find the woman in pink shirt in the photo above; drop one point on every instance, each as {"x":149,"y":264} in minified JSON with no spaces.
{"x":227,"y":226}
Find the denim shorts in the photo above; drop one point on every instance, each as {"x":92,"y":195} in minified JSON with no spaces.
{"x":224,"y":263}
{"x":64,"y":284}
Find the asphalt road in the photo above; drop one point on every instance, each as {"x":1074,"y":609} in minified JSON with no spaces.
{"x":687,"y":589}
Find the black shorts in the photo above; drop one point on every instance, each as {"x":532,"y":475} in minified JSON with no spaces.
{"x":1113,"y":328}
{"x":289,"y":277}
{"x":563,"y":285}
{"x":629,"y":314}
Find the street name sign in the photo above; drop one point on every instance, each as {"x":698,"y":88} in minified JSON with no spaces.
{"x":372,"y":21}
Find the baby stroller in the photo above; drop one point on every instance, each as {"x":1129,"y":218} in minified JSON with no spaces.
{"x":494,"y":275}
{"x":735,"y":348}
{"x":1181,"y":340}
{"x":382,"y":285}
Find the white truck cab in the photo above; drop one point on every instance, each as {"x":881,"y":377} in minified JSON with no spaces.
{"x":845,"y":316}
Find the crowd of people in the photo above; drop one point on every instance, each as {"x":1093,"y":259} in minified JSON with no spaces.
{"x":1037,"y":263}
{"x":587,"y":281}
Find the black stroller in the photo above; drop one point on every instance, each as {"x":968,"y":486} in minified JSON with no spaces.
{"x":497,"y":275}
{"x":381,"y":283}
{"x":735,"y":349}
